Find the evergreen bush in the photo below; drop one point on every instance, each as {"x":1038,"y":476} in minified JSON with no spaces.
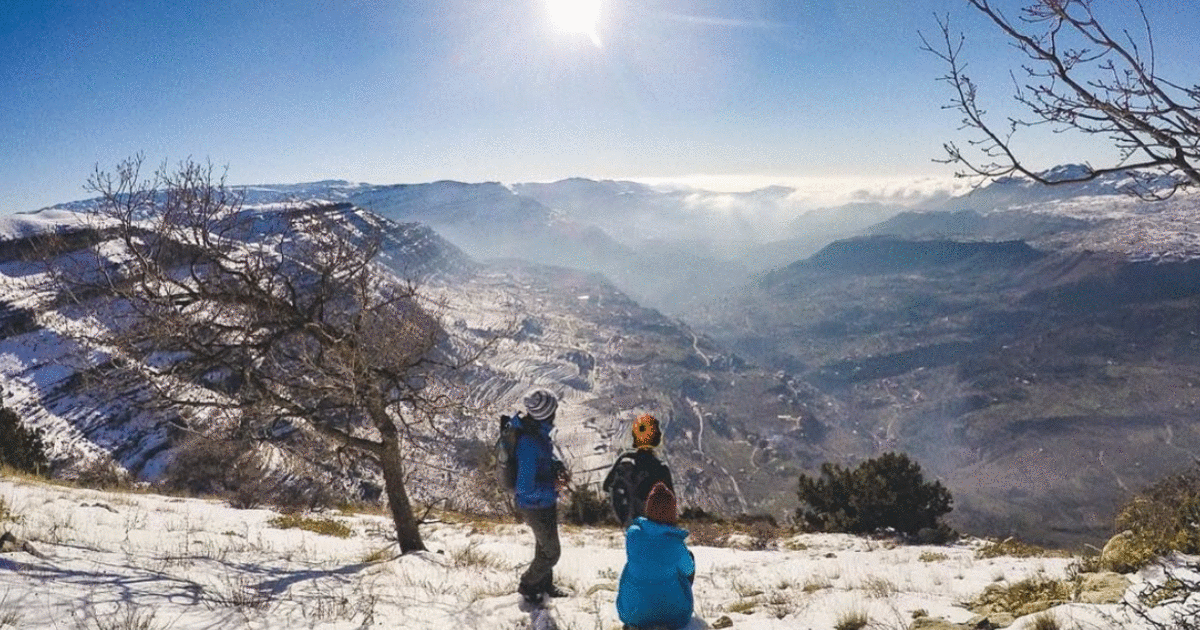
{"x":23,"y":449}
{"x":885,"y":493}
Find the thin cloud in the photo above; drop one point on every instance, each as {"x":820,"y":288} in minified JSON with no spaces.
{"x":814,"y":192}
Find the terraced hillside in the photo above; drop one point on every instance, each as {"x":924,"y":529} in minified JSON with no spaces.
{"x":1042,"y":387}
{"x":608,"y":358}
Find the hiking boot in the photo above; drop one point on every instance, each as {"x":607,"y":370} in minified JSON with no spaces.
{"x":531,"y":596}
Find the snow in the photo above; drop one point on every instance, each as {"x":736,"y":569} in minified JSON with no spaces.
{"x":192,"y":564}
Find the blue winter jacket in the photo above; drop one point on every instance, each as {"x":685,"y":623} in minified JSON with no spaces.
{"x":656,"y":586}
{"x":537,"y":468}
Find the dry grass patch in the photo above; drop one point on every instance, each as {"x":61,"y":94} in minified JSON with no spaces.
{"x":1025,"y":597}
{"x":471,"y":555}
{"x":782,"y":604}
{"x":236,"y":591}
{"x":743,"y":606}
{"x":1013,"y":548}
{"x":816,"y":583}
{"x":879,"y":588}
{"x":126,"y":617}
{"x":382,"y":554}
{"x":1160,"y":520}
{"x":325,"y":526}
{"x":1046,"y":621}
{"x":755,"y":533}
{"x":852,"y":620}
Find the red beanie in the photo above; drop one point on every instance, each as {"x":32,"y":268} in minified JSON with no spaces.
{"x":660,"y":505}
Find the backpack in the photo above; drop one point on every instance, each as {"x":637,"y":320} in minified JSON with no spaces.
{"x":630,"y":481}
{"x":505,"y":453}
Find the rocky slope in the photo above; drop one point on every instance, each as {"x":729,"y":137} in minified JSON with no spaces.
{"x":607,"y":357}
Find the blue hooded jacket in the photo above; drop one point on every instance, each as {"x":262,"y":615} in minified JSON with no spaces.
{"x":537,"y":468}
{"x":656,"y":587}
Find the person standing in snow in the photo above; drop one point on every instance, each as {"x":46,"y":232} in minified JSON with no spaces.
{"x":540,"y":476}
{"x":635,"y":472}
{"x":656,"y":583}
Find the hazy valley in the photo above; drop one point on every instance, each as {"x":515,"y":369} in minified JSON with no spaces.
{"x":1036,"y":351}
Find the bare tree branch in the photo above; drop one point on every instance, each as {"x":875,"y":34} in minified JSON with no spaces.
{"x":1081,"y":78}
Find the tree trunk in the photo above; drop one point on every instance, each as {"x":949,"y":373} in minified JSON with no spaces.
{"x":407,"y":533}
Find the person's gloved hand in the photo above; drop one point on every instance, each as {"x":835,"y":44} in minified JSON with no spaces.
{"x":562,"y":476}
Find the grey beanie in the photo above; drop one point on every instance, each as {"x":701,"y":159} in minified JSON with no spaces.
{"x":541,"y":404}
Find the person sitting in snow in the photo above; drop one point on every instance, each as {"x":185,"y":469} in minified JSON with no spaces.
{"x":540,"y":475}
{"x":635,"y":472}
{"x":656,"y":584}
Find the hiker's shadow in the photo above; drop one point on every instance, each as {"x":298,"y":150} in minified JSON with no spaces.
{"x":539,"y":616}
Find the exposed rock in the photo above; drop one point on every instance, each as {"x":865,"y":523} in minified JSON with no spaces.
{"x":931,"y":623}
{"x":10,"y":543}
{"x":1119,"y":554}
{"x":722,"y":622}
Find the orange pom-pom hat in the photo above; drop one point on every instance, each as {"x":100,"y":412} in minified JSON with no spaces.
{"x":646,"y":433}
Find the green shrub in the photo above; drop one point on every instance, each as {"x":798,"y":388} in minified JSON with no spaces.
{"x":23,"y":448}
{"x":1164,"y":518}
{"x":884,"y":493}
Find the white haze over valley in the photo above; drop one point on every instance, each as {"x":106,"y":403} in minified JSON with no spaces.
{"x":813,"y":193}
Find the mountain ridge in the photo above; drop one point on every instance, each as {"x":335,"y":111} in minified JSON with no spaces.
{"x":1066,"y":319}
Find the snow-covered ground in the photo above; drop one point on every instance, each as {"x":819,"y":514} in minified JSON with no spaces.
{"x":125,"y":561}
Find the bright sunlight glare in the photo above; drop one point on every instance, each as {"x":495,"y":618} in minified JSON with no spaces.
{"x":576,"y":16}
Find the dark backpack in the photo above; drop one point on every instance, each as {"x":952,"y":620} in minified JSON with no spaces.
{"x":629,"y":483}
{"x":505,"y":452}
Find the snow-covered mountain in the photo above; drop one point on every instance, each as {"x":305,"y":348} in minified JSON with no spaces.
{"x":608,"y":358}
{"x":982,"y":366}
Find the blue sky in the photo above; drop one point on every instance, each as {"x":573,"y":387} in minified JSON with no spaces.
{"x":409,"y":91}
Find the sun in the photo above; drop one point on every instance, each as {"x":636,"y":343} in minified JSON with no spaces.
{"x":576,"y":16}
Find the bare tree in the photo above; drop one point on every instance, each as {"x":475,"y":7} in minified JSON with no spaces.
{"x":1081,"y":77}
{"x":279,"y":322}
